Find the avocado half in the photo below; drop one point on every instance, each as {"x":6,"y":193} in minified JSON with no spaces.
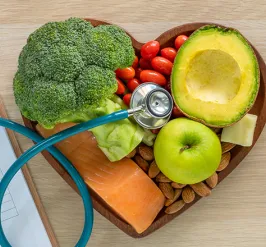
{"x":215,"y":77}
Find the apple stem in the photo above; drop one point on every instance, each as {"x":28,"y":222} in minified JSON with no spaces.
{"x":184,"y":148}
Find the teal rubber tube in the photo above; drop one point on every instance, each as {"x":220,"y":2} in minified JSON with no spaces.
{"x":46,"y":143}
{"x":88,"y":209}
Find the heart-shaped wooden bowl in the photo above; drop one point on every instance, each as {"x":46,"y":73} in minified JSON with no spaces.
{"x":238,"y":153}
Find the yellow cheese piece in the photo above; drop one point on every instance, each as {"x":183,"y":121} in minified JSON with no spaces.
{"x":242,"y":132}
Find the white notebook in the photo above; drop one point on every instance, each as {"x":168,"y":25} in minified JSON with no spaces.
{"x":21,"y":221}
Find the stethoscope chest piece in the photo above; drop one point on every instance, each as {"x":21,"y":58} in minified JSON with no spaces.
{"x":155,"y":105}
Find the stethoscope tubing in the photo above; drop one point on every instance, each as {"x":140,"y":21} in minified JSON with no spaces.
{"x":43,"y":144}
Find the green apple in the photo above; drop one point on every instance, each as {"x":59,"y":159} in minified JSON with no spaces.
{"x":186,"y":151}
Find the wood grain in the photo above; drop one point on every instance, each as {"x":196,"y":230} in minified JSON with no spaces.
{"x":234,"y":215}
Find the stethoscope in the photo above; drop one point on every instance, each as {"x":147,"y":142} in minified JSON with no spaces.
{"x":150,"y":105}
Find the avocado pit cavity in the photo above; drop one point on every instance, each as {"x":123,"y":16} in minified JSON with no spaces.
{"x":213,"y":76}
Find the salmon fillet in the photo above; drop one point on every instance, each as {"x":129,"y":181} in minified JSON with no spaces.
{"x":121,"y":184}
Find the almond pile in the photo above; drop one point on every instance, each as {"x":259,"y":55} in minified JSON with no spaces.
{"x":178,"y":195}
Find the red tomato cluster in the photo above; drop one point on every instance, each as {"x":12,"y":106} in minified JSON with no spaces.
{"x":154,"y":65}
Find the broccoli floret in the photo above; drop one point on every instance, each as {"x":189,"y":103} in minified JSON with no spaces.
{"x":109,"y":46}
{"x":62,"y":63}
{"x":46,"y":101}
{"x":79,"y":25}
{"x":102,"y":85}
{"x":68,"y":68}
{"x":125,"y":53}
{"x":68,"y":32}
{"x":55,"y":45}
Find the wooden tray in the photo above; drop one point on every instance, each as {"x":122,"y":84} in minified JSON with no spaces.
{"x":238,"y":153}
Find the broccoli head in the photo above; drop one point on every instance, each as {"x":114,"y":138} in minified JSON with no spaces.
{"x":68,"y":68}
{"x":50,"y":102}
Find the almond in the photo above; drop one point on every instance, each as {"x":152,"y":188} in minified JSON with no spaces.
{"x":167,"y":190}
{"x":188,"y":195}
{"x":153,"y":170}
{"x":175,"y":207}
{"x":212,"y":181}
{"x":217,"y":130}
{"x":177,"y":193}
{"x":201,"y":189}
{"x":177,"y":185}
{"x":143,"y":164}
{"x":224,"y":161}
{"x":226,"y":146}
{"x":146,"y":152}
{"x":162,"y":178}
{"x":132,"y":154}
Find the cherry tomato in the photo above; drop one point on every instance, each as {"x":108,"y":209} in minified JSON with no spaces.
{"x":176,"y":112}
{"x":125,"y":74}
{"x":145,"y":64}
{"x":168,"y":86}
{"x":120,"y":87}
{"x":162,"y":65}
{"x":150,"y":49}
{"x":132,"y":84}
{"x":169,"y":53}
{"x":135,"y":62}
{"x":155,"y":131}
{"x":138,"y":70}
{"x":152,"y":76}
{"x":127,"y":98}
{"x":180,"y":40}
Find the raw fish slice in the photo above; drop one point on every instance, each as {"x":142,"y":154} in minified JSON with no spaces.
{"x":121,"y":184}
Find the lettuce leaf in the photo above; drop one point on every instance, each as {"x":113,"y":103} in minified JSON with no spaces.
{"x":119,"y":138}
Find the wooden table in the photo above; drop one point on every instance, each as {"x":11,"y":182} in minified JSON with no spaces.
{"x":235,"y":214}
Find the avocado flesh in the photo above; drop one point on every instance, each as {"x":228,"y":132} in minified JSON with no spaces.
{"x":215,"y":78}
